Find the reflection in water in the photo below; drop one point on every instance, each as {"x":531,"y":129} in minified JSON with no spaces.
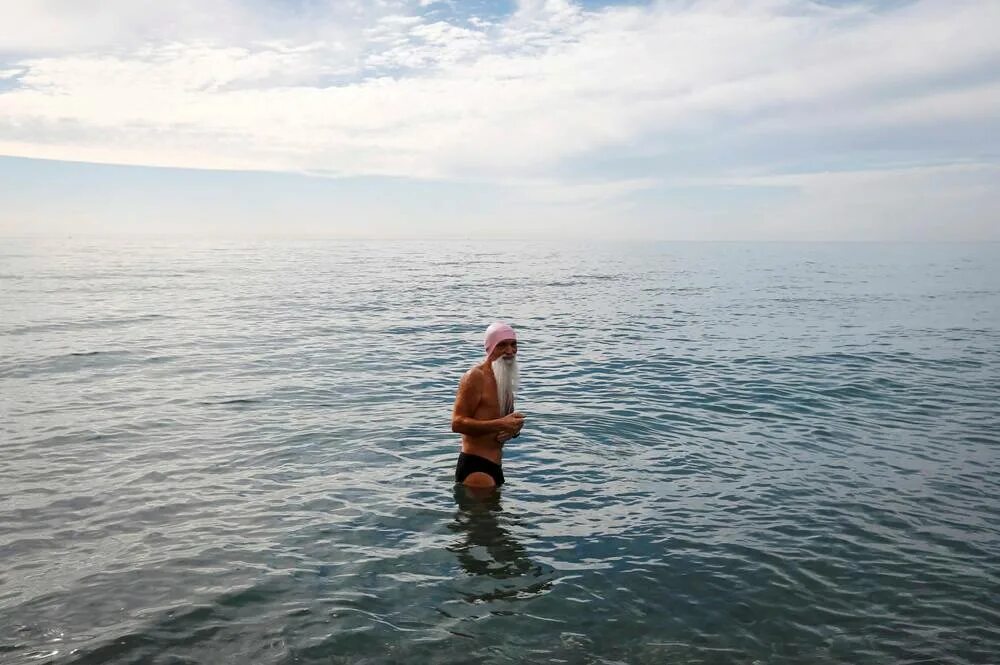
{"x":488,"y":551}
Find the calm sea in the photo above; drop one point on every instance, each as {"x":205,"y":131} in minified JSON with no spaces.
{"x":239,"y":452}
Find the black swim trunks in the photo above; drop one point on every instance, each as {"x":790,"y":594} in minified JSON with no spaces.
{"x":472,"y":463}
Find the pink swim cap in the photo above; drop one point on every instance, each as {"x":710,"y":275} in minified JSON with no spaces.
{"x":496,"y":333}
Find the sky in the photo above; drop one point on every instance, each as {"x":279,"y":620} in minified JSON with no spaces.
{"x":666,"y":120}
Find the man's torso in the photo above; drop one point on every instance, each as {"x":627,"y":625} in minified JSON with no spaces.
{"x":487,"y":409}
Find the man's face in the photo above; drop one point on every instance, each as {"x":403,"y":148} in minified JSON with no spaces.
{"x":506,"y":349}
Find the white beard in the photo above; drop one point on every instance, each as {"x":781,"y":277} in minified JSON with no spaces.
{"x":508,"y":376}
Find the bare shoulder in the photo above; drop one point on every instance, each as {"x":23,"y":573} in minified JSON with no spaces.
{"x":473,"y":377}
{"x":470,"y":390}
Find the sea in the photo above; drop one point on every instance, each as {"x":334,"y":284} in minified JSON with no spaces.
{"x":238,"y":450}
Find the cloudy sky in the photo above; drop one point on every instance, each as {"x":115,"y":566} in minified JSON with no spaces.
{"x":679,"y":119}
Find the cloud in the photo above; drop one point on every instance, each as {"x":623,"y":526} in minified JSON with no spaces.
{"x":552,"y":93}
{"x":65,"y":26}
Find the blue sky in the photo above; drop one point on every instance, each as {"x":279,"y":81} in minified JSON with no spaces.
{"x":688,"y":120}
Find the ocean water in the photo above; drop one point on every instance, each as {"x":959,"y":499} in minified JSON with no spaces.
{"x":238,"y":451}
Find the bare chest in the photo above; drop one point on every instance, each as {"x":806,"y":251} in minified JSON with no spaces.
{"x":489,"y":405}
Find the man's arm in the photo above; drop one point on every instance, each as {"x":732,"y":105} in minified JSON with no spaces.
{"x":470,"y":391}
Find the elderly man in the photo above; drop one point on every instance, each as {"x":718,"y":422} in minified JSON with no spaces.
{"x":484,"y":410}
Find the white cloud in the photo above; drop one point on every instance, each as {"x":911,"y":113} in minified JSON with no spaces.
{"x":380,"y":90}
{"x":62,"y":26}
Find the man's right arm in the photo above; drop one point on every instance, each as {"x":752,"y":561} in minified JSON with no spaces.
{"x":470,"y":391}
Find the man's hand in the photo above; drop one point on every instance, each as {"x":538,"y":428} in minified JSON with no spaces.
{"x":512,"y":424}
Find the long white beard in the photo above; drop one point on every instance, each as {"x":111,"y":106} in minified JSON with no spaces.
{"x":508,"y":376}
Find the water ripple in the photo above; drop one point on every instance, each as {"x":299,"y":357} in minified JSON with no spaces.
{"x":240,"y":452}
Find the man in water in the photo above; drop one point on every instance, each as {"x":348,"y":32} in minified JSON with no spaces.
{"x":484,"y":410}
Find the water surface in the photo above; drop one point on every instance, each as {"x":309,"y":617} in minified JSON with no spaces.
{"x":239,"y":452}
